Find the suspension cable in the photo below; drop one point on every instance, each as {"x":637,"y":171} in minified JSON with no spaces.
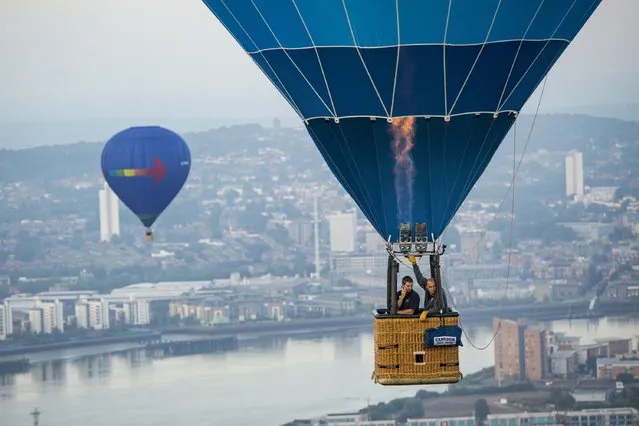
{"x":511,"y":227}
{"x":511,"y":187}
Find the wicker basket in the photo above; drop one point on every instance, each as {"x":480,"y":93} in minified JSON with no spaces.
{"x":400,"y":356}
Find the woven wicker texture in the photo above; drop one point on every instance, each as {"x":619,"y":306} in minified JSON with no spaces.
{"x":400,"y":356}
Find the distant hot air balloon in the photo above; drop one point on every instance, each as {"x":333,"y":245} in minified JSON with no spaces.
{"x":407,"y":100}
{"x":146,"y":168}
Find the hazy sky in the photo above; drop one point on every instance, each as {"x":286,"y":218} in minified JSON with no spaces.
{"x":87,"y":59}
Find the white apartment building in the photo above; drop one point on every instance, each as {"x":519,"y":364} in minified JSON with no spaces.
{"x":95,"y":312}
{"x":98,"y":313}
{"x":575,"y":175}
{"x":6,"y":321}
{"x":343,"y":232}
{"x":35,"y":320}
{"x":137,"y":312}
{"x":52,"y":315}
{"x":109,"y":213}
{"x":82,"y":314}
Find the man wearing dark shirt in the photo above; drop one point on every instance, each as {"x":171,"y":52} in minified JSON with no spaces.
{"x":407,"y":299}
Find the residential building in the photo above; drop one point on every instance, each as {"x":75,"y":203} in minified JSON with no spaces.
{"x":98,"y":311}
{"x":36,"y":320}
{"x":594,"y":390}
{"x":563,"y":363}
{"x":82,"y":314}
{"x":609,"y":416}
{"x":208,"y":311}
{"x":610,"y":368}
{"x":520,"y":351}
{"x":575,"y":175}
{"x":109,"y":213}
{"x":343,"y":232}
{"x":616,"y":346}
{"x":6,"y":320}
{"x":137,"y":312}
{"x":52,"y":315}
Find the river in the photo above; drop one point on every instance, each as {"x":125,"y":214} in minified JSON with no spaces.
{"x":266,"y":382}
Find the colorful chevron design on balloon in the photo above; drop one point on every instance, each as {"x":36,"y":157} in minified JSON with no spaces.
{"x":158,"y":171}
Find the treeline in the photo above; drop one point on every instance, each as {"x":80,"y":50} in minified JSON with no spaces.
{"x":412,"y":407}
{"x":559,"y":399}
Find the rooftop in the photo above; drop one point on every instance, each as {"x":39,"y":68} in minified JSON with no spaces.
{"x":562,"y":354}
{"x":595,"y":384}
{"x":612,"y":339}
{"x":617,"y":361}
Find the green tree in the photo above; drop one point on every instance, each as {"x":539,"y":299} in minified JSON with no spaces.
{"x":28,"y":249}
{"x":279,"y":234}
{"x":562,"y":400}
{"x":625,"y":378}
{"x":565,"y":402}
{"x":482,"y":410}
{"x":412,"y":409}
{"x":253,"y":218}
{"x":230,"y":195}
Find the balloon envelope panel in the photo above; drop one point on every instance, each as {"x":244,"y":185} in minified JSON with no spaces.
{"x":146,"y":167}
{"x":449,"y":158}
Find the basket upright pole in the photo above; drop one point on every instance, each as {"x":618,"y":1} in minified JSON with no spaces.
{"x":393,"y":286}
{"x":389,"y":290}
{"x":435,"y":269}
{"x":435,"y":272}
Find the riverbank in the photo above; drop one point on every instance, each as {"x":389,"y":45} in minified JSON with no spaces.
{"x":132,"y":336}
{"x":259,"y":330}
{"x":539,"y":312}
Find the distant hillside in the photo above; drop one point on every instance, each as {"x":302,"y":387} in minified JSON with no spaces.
{"x":55,"y":162}
{"x":560,"y":132}
{"x":34,"y":134}
{"x":553,"y":132}
{"x":629,"y":112}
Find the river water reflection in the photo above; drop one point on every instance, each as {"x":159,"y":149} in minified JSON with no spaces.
{"x":266,"y":382}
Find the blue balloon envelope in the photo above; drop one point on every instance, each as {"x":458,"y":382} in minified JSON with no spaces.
{"x":407,"y":100}
{"x":146,"y":167}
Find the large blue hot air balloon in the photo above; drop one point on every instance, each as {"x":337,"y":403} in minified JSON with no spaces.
{"x":407,"y":100}
{"x":146,"y":167}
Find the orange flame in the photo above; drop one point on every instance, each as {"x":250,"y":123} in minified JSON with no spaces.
{"x":403,"y":130}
